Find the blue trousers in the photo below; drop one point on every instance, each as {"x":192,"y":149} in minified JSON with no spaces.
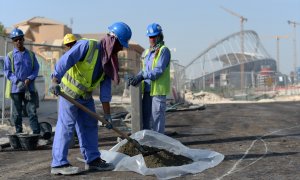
{"x":154,"y":110}
{"x":18,"y":99}
{"x":69,"y":118}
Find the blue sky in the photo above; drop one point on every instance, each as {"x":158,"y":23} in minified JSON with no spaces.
{"x":190,"y":26}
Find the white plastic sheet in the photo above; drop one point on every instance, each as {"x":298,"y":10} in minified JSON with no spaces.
{"x":203,"y":159}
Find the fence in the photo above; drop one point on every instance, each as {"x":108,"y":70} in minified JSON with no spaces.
{"x":42,"y":82}
{"x":47,"y":55}
{"x":256,"y":85}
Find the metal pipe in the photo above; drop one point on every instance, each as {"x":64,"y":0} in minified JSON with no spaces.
{"x":3,"y":87}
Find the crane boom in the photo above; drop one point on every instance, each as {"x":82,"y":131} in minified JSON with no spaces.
{"x":280,"y":37}
{"x":293,"y":23}
{"x":234,"y":14}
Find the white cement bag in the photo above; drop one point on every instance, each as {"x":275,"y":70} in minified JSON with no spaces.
{"x":203,"y":159}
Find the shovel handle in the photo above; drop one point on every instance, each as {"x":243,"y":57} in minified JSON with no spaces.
{"x":93,"y":114}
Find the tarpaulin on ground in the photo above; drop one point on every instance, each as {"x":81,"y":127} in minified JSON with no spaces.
{"x":202,"y":159}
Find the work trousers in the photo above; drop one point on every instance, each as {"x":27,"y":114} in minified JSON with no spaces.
{"x":18,"y":99}
{"x":154,"y":110}
{"x":69,"y":118}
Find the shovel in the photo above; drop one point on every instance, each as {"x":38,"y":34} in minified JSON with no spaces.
{"x":96,"y":116}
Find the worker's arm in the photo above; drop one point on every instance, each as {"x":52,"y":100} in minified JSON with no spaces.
{"x":162,"y":64}
{"x":105,"y":94}
{"x":105,"y":97}
{"x":106,"y":107}
{"x":35,"y":70}
{"x":69,"y":59}
{"x":8,"y":72}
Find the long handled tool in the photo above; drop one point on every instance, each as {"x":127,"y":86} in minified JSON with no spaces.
{"x":96,"y":116}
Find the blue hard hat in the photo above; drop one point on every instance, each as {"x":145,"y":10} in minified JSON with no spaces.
{"x":122,"y":31}
{"x":153,"y":29}
{"x":16,"y":33}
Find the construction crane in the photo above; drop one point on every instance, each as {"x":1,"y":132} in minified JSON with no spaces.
{"x":294,"y":24}
{"x":242,"y":20}
{"x":277,"y":37}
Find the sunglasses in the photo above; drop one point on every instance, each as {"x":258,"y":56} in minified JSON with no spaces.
{"x":17,"y":39}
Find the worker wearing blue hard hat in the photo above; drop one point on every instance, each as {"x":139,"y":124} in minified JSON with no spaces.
{"x":21,"y":69}
{"x":85,"y":66}
{"x":155,"y":78}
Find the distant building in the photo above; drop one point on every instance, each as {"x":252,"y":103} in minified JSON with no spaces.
{"x":47,"y":37}
{"x":129,"y":58}
{"x":228,"y":64}
{"x":43,"y":30}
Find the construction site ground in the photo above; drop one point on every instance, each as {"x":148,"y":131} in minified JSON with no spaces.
{"x":260,"y":140}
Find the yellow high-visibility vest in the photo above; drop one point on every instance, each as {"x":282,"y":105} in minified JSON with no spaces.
{"x":8,"y":82}
{"x":160,"y":86}
{"x":77,"y":82}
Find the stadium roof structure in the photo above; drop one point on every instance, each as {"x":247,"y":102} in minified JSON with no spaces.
{"x":229,"y":54}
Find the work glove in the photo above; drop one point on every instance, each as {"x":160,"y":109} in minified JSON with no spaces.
{"x":136,"y":80}
{"x":27,"y":94}
{"x":109,"y":125}
{"x":21,"y":85}
{"x":54,"y":89}
{"x":129,"y":80}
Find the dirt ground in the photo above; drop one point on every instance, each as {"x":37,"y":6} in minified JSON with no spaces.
{"x":154,"y":157}
{"x":259,"y":141}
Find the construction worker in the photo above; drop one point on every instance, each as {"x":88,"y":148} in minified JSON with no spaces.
{"x":155,"y":75}
{"x":78,"y":72}
{"x":69,"y":41}
{"x":21,"y":69}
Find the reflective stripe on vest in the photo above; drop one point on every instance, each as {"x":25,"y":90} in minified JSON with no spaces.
{"x":77,"y":82}
{"x":160,"y":86}
{"x":12,"y":64}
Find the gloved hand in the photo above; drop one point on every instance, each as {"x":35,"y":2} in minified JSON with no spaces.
{"x":109,"y":125}
{"x":136,"y":80}
{"x":21,"y":85}
{"x":27,"y":94}
{"x":54,"y":89}
{"x":129,"y":80}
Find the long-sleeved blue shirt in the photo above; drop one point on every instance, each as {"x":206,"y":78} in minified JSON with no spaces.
{"x":151,"y":75}
{"x":74,"y":55}
{"x":23,"y":69}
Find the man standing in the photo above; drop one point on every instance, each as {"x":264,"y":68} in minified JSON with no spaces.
{"x":155,"y":75}
{"x":79,"y":71}
{"x":21,"y":68}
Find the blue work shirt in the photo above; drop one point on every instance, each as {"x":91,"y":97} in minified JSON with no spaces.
{"x":23,"y":69}
{"x":76,"y":54}
{"x":151,"y":75}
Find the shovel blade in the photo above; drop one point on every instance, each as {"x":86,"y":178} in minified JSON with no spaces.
{"x":138,"y":146}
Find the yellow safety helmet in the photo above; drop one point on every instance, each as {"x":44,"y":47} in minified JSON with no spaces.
{"x":69,"y":38}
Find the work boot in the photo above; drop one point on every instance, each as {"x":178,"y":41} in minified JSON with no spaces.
{"x":99,"y":165}
{"x":66,"y":169}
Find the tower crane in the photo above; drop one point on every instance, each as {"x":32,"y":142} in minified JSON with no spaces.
{"x":294,"y":24}
{"x":277,"y":37}
{"x":242,"y":20}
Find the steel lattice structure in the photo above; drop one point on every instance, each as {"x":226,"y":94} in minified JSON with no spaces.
{"x":226,"y":57}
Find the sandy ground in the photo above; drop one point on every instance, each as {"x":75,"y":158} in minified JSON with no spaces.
{"x":260,"y":140}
